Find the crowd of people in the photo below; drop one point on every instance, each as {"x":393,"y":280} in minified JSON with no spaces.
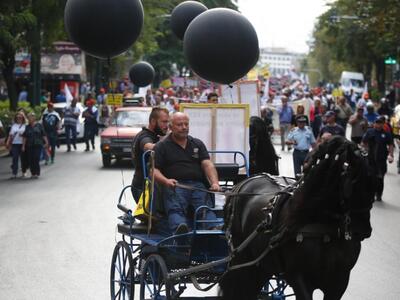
{"x":32,"y":138}
{"x":373,"y":125}
{"x":305,"y":117}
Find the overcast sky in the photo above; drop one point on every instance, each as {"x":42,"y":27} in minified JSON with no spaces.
{"x":283,"y":23}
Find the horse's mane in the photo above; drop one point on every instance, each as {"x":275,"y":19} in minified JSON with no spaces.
{"x":323,"y":190}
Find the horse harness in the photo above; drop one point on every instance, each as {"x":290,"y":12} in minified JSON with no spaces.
{"x":268,"y":226}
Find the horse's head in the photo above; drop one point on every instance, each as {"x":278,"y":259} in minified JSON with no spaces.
{"x":336,"y":181}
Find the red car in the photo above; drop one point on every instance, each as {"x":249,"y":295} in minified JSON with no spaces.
{"x":116,"y":140}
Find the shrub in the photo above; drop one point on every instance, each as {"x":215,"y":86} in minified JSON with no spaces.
{"x":7,"y":116}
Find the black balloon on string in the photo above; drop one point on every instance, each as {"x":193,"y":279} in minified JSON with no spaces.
{"x":221,"y":45}
{"x":141,"y":74}
{"x":103,"y":28}
{"x":183,"y":14}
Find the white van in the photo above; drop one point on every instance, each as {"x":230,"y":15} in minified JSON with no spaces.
{"x":352,"y":81}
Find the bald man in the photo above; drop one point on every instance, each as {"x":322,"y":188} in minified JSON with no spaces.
{"x":184,"y":159}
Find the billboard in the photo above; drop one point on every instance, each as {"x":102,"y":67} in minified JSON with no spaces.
{"x":64,"y":58}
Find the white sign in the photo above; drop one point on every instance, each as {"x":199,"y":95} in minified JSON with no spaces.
{"x":221,"y":127}
{"x":242,"y":92}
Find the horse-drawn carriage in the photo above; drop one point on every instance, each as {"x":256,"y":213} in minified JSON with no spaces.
{"x":150,"y":263}
{"x":309,"y":231}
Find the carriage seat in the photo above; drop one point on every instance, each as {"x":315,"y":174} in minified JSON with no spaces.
{"x":137,"y":228}
{"x":227,"y":171}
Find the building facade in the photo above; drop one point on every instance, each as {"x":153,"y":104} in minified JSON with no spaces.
{"x":280,"y":61}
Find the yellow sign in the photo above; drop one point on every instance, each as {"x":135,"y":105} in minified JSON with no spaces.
{"x":337,"y":92}
{"x":264,"y":72}
{"x":114,"y":99}
{"x":166,"y":83}
{"x":252,"y":75}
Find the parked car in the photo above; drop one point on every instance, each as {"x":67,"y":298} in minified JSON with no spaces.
{"x":59,"y":107}
{"x":116,"y":140}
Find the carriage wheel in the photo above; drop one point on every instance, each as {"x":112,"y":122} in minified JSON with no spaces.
{"x":153,"y":280}
{"x":122,"y":273}
{"x":275,"y":289}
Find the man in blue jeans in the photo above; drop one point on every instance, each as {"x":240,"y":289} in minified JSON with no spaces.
{"x":71,"y":115}
{"x":184,"y":159}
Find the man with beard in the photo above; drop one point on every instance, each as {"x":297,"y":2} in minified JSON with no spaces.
{"x":180,"y":158}
{"x":145,"y":140}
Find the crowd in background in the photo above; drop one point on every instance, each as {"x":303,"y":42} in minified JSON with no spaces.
{"x":322,"y":111}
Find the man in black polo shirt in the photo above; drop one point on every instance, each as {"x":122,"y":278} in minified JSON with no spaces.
{"x":184,"y":159}
{"x":331,"y":126}
{"x":380,"y":148}
{"x":145,"y":140}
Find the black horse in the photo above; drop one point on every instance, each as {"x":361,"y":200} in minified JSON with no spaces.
{"x":263,"y":157}
{"x":314,"y":239}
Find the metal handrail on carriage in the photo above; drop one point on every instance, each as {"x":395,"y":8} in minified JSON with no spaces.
{"x":235,"y":154}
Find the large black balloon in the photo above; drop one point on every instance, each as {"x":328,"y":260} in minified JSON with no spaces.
{"x":183,"y":14}
{"x":141,"y":74}
{"x":221,"y":45}
{"x":103,"y":28}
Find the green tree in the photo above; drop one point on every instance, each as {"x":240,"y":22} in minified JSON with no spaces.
{"x":361,"y":42}
{"x":47,"y":28}
{"x":15,"y":19}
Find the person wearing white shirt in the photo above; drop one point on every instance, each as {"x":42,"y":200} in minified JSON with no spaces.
{"x":14,"y":144}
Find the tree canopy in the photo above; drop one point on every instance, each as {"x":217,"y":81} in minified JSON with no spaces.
{"x":356,"y":35}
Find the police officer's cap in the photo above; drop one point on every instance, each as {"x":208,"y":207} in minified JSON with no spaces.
{"x":301,"y":119}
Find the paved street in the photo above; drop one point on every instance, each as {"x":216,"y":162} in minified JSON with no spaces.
{"x":57,"y":233}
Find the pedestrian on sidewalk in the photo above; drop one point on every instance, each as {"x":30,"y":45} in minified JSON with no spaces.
{"x":51,"y":122}
{"x":14,"y":145}
{"x":34,"y":140}
{"x":91,"y":126}
{"x":302,"y":138}
{"x":71,"y":115}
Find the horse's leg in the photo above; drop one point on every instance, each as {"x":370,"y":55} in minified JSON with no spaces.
{"x":300,"y":288}
{"x":242,"y":284}
{"x":337,"y":286}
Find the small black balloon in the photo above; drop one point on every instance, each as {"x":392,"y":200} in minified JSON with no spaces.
{"x":103,"y":28}
{"x":183,"y":14}
{"x":141,"y":74}
{"x":221,"y":45}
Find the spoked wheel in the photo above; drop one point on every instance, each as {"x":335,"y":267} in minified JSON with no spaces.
{"x":275,"y":289}
{"x":153,"y":280}
{"x":122,"y":273}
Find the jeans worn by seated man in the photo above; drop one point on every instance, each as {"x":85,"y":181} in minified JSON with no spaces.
{"x":178,"y":200}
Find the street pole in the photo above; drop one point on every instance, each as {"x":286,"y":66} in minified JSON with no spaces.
{"x":397,"y":78}
{"x":35,"y":60}
{"x":396,"y":85}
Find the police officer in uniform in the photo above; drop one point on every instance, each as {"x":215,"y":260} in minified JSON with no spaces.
{"x":145,"y":140}
{"x":380,"y":148}
{"x":303,"y":139}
